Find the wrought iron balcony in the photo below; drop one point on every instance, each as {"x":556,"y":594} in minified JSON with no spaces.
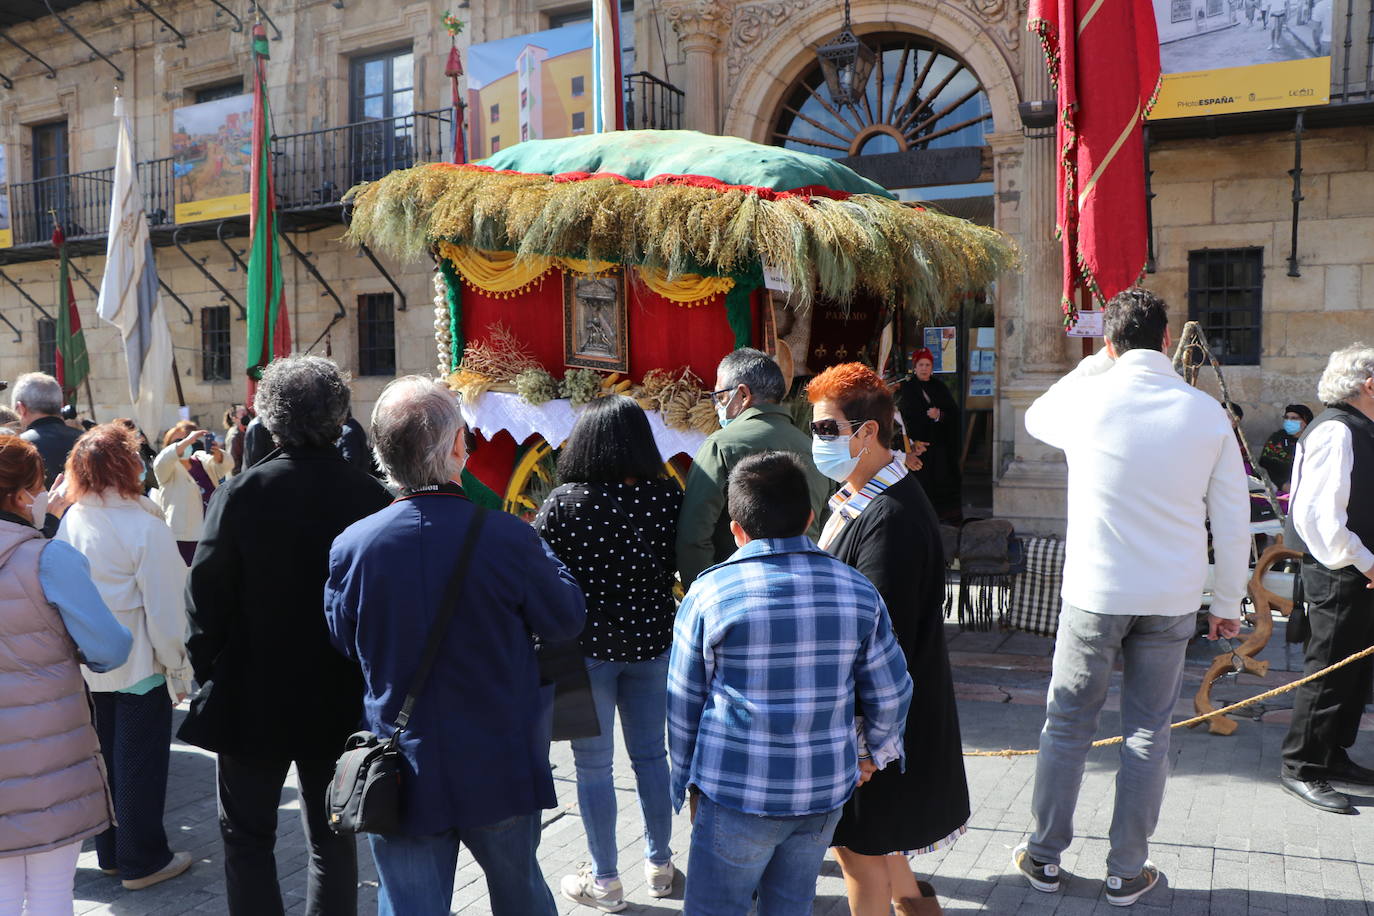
{"x":651,"y":103}
{"x":81,"y":202}
{"x":316,"y":168}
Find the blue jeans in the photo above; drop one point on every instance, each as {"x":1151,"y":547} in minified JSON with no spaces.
{"x":735,"y":854}
{"x":1152,"y":649}
{"x":416,"y":872}
{"x":640,"y":691}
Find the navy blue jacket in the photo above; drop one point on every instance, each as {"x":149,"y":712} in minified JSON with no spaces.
{"x":477,"y":747}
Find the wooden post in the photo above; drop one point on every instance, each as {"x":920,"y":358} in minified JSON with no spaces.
{"x":176,"y":377}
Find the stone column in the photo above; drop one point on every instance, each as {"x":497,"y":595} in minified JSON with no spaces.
{"x":701,"y":25}
{"x":1032,"y":489}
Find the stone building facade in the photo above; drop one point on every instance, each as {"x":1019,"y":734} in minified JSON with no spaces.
{"x":742,"y":65}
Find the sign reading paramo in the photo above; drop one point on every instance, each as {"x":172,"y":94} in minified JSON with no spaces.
{"x":1229,"y":56}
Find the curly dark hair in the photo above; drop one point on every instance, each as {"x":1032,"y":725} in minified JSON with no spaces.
{"x":303,"y":401}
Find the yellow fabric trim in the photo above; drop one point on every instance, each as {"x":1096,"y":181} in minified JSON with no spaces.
{"x":504,"y":273}
{"x":500,"y":273}
{"x":591,"y":268}
{"x":685,"y":289}
{"x":1088,"y":16}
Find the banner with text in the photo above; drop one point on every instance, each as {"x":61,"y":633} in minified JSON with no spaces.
{"x":1275,"y":54}
{"x":212,"y":147}
{"x":6,"y":234}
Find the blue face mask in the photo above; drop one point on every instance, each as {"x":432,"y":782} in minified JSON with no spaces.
{"x":1292,"y":427}
{"x":832,"y":457}
{"x":723,"y":409}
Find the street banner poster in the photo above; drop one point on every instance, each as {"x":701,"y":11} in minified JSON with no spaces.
{"x":1089,"y":324}
{"x":212,"y":153}
{"x":943,"y":343}
{"x":1272,"y":54}
{"x":6,"y":234}
{"x":529,"y":87}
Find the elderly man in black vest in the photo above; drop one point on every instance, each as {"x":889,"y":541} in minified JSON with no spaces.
{"x":1331,"y":520}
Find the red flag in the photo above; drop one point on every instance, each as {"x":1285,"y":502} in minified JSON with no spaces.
{"x":73,"y":363}
{"x":1104,"y":62}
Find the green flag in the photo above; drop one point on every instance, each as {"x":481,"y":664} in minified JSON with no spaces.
{"x":269,"y":329}
{"x":73,"y":362}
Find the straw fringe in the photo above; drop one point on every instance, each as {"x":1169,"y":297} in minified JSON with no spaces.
{"x":869,"y":243}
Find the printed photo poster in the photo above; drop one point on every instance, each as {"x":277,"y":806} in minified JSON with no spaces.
{"x":6,"y":234}
{"x":943,"y":343}
{"x":529,"y":87}
{"x":212,"y":158}
{"x":1277,"y":54}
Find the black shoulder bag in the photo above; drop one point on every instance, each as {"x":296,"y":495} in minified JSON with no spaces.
{"x":365,"y":794}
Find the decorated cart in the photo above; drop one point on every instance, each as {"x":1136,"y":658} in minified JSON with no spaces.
{"x":633,"y":261}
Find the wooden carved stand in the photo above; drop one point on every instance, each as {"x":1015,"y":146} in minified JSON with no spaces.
{"x":1242,"y":658}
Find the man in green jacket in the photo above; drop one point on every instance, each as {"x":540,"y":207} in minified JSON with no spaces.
{"x":749,"y":386}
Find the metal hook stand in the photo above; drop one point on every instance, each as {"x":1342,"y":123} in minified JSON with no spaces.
{"x":1150,"y":196}
{"x":52,"y":74}
{"x":238,"y":23}
{"x":23,"y":292}
{"x":199,"y":265}
{"x":119,"y":74}
{"x":166,"y":26}
{"x":1296,"y":173}
{"x":339,"y":314}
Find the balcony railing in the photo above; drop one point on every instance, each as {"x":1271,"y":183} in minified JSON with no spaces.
{"x":316,"y":168}
{"x":81,"y":202}
{"x":651,"y":103}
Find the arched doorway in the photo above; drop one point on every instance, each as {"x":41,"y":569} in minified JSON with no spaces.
{"x":920,"y":130}
{"x":920,"y":96}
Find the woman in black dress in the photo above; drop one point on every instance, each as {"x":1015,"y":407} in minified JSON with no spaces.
{"x":883,"y":525}
{"x":613,"y":523}
{"x":930,"y":415}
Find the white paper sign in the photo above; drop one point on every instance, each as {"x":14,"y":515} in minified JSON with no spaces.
{"x":987,"y":338}
{"x":1089,"y":324}
{"x":773,"y":279}
{"x":980,"y":386}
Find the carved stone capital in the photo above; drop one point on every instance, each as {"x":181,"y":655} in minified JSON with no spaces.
{"x":754,"y":22}
{"x":701,"y":25}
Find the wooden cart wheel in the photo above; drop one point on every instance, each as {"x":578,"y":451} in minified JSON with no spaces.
{"x":536,"y":475}
{"x":1243,"y":657}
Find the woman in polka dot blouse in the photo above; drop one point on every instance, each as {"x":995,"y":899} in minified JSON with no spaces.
{"x":613,"y":523}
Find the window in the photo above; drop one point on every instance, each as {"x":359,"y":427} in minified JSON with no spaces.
{"x":524,"y":99}
{"x":381,"y":100}
{"x":579,"y":121}
{"x":214,"y":343}
{"x":47,"y":345}
{"x":376,"y":334}
{"x":215,"y":93}
{"x":579,"y":86}
{"x":524,"y":132}
{"x":495,"y":114}
{"x":50,"y":168}
{"x":583,"y":13}
{"x":1225,"y":289}
{"x":495,"y":145}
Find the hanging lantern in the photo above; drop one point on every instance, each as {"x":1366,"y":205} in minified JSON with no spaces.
{"x":846,"y":62}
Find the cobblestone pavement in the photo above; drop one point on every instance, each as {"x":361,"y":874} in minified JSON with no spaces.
{"x":1229,"y":840}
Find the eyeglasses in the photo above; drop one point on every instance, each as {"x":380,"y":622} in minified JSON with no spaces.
{"x":715,"y":395}
{"x":829,"y":428}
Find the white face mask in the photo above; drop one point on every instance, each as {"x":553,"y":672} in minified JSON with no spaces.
{"x":38,"y":509}
{"x":723,"y":410}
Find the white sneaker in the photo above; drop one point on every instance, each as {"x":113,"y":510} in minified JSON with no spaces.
{"x":585,"y":889}
{"x":660,"y":878}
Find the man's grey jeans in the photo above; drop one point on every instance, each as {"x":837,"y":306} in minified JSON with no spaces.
{"x":1152,"y":650}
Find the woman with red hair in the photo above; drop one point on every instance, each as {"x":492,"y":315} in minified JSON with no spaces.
{"x":141,"y":577}
{"x":882,"y":524}
{"x":930,"y":415}
{"x":52,"y":621}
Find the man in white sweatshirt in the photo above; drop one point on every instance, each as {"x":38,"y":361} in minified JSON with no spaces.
{"x":1151,"y":461}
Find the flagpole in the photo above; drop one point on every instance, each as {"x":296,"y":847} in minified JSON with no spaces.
{"x":176,"y":377}
{"x":90,"y":399}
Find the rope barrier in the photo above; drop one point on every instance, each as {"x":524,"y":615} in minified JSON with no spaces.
{"x":1198,"y":720}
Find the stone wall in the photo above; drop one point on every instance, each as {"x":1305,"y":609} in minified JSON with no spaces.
{"x":1235,"y":192}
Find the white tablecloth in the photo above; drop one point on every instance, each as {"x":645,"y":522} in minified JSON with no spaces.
{"x":495,"y":411}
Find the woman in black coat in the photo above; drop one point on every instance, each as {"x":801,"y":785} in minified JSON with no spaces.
{"x":883,"y":525}
{"x":930,"y":415}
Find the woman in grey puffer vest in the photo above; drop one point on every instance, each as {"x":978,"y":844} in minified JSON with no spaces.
{"x":53,"y":792}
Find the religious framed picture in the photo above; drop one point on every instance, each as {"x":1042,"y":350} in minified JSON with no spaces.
{"x":594,"y":324}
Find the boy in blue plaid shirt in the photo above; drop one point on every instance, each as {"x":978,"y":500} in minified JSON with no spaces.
{"x":771,"y":651}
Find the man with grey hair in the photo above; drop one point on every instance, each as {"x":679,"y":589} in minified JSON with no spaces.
{"x":1331,"y":520}
{"x":255,"y":599}
{"x":37,"y":398}
{"x":749,"y":386}
{"x":476,"y":747}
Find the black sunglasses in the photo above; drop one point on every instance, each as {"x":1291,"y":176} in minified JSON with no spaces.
{"x":829,"y":428}
{"x":715,"y":395}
